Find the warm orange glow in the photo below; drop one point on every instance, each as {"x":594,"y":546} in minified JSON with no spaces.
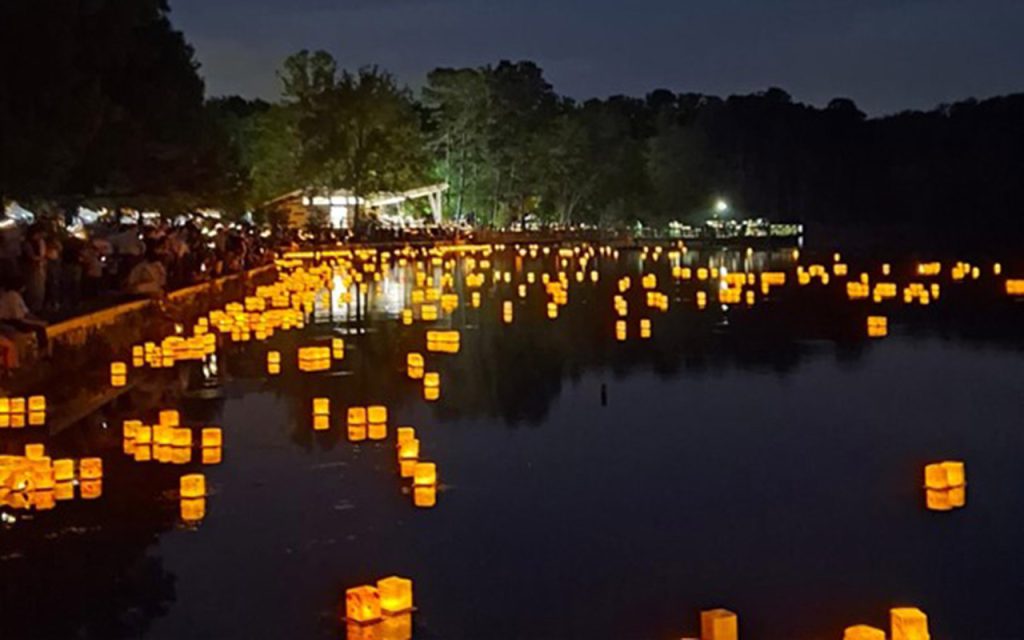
{"x":212,"y":437}
{"x":193,"y":485}
{"x":90,"y":489}
{"x":90,"y":468}
{"x":193,"y":509}
{"x":362,"y":604}
{"x":405,"y":434}
{"x":425,"y":474}
{"x":718,"y":624}
{"x":908,"y":623}
{"x":212,"y":455}
{"x":424,"y":496}
{"x":863,"y":632}
{"x":395,"y":594}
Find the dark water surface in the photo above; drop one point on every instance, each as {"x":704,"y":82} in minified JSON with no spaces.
{"x":766,"y":459}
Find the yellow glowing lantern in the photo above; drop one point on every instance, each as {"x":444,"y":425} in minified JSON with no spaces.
{"x":337,"y":348}
{"x":362,"y":604}
{"x":620,"y":330}
{"x":718,"y":624}
{"x":35,"y":451}
{"x":212,"y":455}
{"x":118,"y":374}
{"x":274,"y":362}
{"x":63,"y":469}
{"x":878,"y":326}
{"x":193,"y":485}
{"x":395,"y":594}
{"x":377,"y":414}
{"x":908,"y":623}
{"x":142,"y":453}
{"x":321,"y":406}
{"x":405,"y":434}
{"x":212,"y":437}
{"x":645,"y":328}
{"x":37,"y":403}
{"x":90,"y":489}
{"x":181,"y":455}
{"x":957,"y":496}
{"x":938,"y":500}
{"x":425,"y":474}
{"x":863,"y":632}
{"x":406,"y":316}
{"x":181,"y":437}
{"x":943,"y":475}
{"x":424,"y":496}
{"x":170,"y":418}
{"x":143,"y":434}
{"x":64,"y":491}
{"x":702,"y":299}
{"x":90,"y":468}
{"x":193,"y":509}
{"x":428,"y":312}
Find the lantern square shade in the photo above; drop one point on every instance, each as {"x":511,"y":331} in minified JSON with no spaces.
{"x":395,"y":594}
{"x":397,"y":627}
{"x":863,"y":632}
{"x":170,"y":418}
{"x":90,"y":468}
{"x":193,"y":509}
{"x":362,"y":604}
{"x":212,"y":455}
{"x":378,"y":431}
{"x":404,"y":434}
{"x":908,"y":623}
{"x":718,"y":624}
{"x":193,"y":485}
{"x":377,"y":414}
{"x":425,"y":474}
{"x":424,"y":497}
{"x":357,"y":415}
{"x":212,"y":437}
{"x":90,"y":489}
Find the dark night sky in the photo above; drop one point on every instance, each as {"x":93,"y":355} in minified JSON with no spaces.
{"x":885,"y":54}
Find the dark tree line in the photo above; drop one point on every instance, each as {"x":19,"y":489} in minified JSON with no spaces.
{"x":103,"y":100}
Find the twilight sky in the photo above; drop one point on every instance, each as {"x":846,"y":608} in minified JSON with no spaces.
{"x":887,"y":55}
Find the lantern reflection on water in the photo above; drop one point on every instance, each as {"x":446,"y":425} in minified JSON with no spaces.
{"x":90,"y":489}
{"x":192,"y":509}
{"x":424,"y":496}
{"x":212,"y":437}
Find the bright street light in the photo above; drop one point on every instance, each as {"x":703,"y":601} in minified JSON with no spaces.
{"x":721,"y":206}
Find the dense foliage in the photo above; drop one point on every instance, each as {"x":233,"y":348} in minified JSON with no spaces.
{"x":111,"y":108}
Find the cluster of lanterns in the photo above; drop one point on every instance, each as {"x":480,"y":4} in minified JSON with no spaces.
{"x":168,"y":442}
{"x":380,"y":612}
{"x":367,"y":422}
{"x":423,"y":473}
{"x":16,"y":413}
{"x":443,"y":341}
{"x":905,"y":623}
{"x":945,"y":485}
{"x":36,"y":481}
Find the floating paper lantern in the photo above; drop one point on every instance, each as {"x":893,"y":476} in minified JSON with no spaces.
{"x":90,"y":489}
{"x":425,"y":474}
{"x":908,"y":623}
{"x":35,"y":451}
{"x":181,"y":437}
{"x":506,"y":311}
{"x":212,"y":455}
{"x":718,"y":624}
{"x":170,"y":418}
{"x":181,"y":455}
{"x":863,"y":632}
{"x":212,"y":437}
{"x":118,"y":374}
{"x":943,"y":475}
{"x":321,"y":406}
{"x":90,"y":468}
{"x":620,"y":330}
{"x":404,"y":434}
{"x":143,"y":434}
{"x":645,"y":328}
{"x":337,"y":348}
{"x":938,"y":500}
{"x":362,"y":604}
{"x":64,"y":491}
{"x":395,"y":594}
{"x":37,"y":403}
{"x":63,"y":470}
{"x":193,"y":509}
{"x":274,"y":362}
{"x":377,"y":414}
{"x":878,"y":326}
{"x":424,"y":496}
{"x":193,"y":485}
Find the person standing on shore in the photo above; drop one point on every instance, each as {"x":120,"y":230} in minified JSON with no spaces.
{"x":33,"y":258}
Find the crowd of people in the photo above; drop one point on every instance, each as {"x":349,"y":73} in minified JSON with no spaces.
{"x":48,"y":274}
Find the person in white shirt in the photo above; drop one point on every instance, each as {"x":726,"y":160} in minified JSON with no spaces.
{"x":14,"y":313}
{"x":149,"y":277}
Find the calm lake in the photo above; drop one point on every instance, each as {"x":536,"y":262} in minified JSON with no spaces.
{"x":767,"y":458}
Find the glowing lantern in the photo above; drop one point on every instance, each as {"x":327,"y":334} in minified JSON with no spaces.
{"x":337,"y":348}
{"x":506,"y":311}
{"x":181,"y":455}
{"x":193,"y":485}
{"x":90,"y":489}
{"x":863,"y":632}
{"x":274,"y":362}
{"x":90,"y":468}
{"x":424,"y":496}
{"x":321,"y":406}
{"x":181,"y":437}
{"x":362,"y":604}
{"x":938,"y":500}
{"x":397,"y":627}
{"x":943,"y":475}
{"x":357,"y":424}
{"x":377,"y":414}
{"x":878,"y":326}
{"x":37,"y":403}
{"x":395,"y":594}
{"x":64,"y":491}
{"x":170,"y":418}
{"x":620,"y":330}
{"x":64,"y":470}
{"x":118,"y":374}
{"x":425,"y":474}
{"x":718,"y":624}
{"x":143,"y":435}
{"x":212,"y":455}
{"x":908,"y":623}
{"x":645,"y":328}
{"x":35,"y":451}
{"x":404,"y":434}
{"x":212,"y":437}
{"x":193,"y":509}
